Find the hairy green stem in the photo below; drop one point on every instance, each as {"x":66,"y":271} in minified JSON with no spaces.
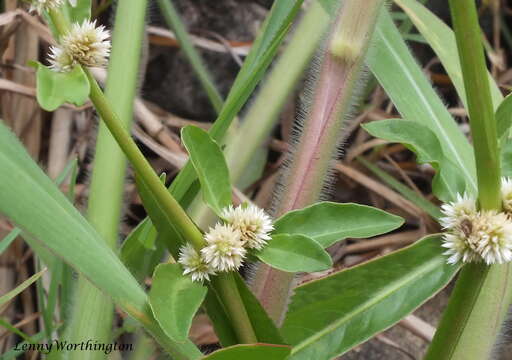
{"x":480,"y":300}
{"x":93,"y":311}
{"x":304,"y":181}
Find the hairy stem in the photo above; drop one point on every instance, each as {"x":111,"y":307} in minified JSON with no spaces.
{"x":479,"y":303}
{"x":304,"y":181}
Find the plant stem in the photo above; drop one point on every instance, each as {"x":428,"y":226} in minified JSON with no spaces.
{"x":93,"y":311}
{"x":142,"y":166}
{"x":480,"y":108}
{"x":226,"y":285}
{"x":304,"y":180}
{"x":480,"y":300}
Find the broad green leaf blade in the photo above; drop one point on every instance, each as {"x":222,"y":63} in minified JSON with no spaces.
{"x":140,"y":251}
{"x":55,"y":88}
{"x":263,"y":326}
{"x":421,"y":140}
{"x":504,"y":117}
{"x":295,"y":253}
{"x":251,"y":352}
{"x":210,"y":165}
{"x":328,"y":317}
{"x":262,"y":52}
{"x":409,"y":194}
{"x":442,"y":40}
{"x":25,"y":284}
{"x":175,"y":299}
{"x":329,"y":222}
{"x":167,"y":233}
{"x":406,"y":84}
{"x":31,"y":200}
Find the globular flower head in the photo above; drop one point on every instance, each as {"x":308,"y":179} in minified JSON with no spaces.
{"x":44,"y":5}
{"x":458,"y":249}
{"x":193,"y":264}
{"x":506,"y":194}
{"x":455,"y":212}
{"x":252,"y":222}
{"x":87,"y":44}
{"x":491,"y":237}
{"x":59,"y":60}
{"x":224,"y":250}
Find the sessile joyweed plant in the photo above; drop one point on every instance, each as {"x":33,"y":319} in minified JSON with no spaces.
{"x":323,"y":318}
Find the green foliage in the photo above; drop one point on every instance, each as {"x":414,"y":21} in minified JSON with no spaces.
{"x":329,"y":222}
{"x":18,"y":289}
{"x":31,"y":200}
{"x":420,"y":139}
{"x":295,"y":253}
{"x":210,"y":166}
{"x":262,"y":52}
{"x":163,"y":221}
{"x":251,"y":352}
{"x":262,"y":325}
{"x":175,"y":299}
{"x":329,"y":316}
{"x":442,"y":40}
{"x":504,"y":118}
{"x":55,"y":88}
{"x":404,"y":81}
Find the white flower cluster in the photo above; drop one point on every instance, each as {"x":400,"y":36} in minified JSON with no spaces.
{"x":84,"y":44}
{"x":473,"y":235}
{"x":227,"y":243}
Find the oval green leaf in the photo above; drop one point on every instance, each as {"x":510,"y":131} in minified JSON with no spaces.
{"x":210,"y":165}
{"x":175,"y":299}
{"x":295,"y":253}
{"x":448,"y":182}
{"x":56,"y":88}
{"x":328,"y":317}
{"x":329,"y":222}
{"x":251,"y":352}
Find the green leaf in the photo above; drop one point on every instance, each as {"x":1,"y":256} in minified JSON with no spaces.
{"x":272,"y":33}
{"x":422,"y":141}
{"x":295,"y":253}
{"x":175,"y":299}
{"x":504,"y":117}
{"x":164,"y":224}
{"x":210,"y":165}
{"x":329,"y":222}
{"x":31,"y":200}
{"x":506,"y":159}
{"x":327,"y":317}
{"x":78,"y":13}
{"x":56,"y":88}
{"x":442,"y":40}
{"x":263,"y":326}
{"x":25,"y":284}
{"x":140,"y":251}
{"x":251,"y":352}
{"x":406,"y":84}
